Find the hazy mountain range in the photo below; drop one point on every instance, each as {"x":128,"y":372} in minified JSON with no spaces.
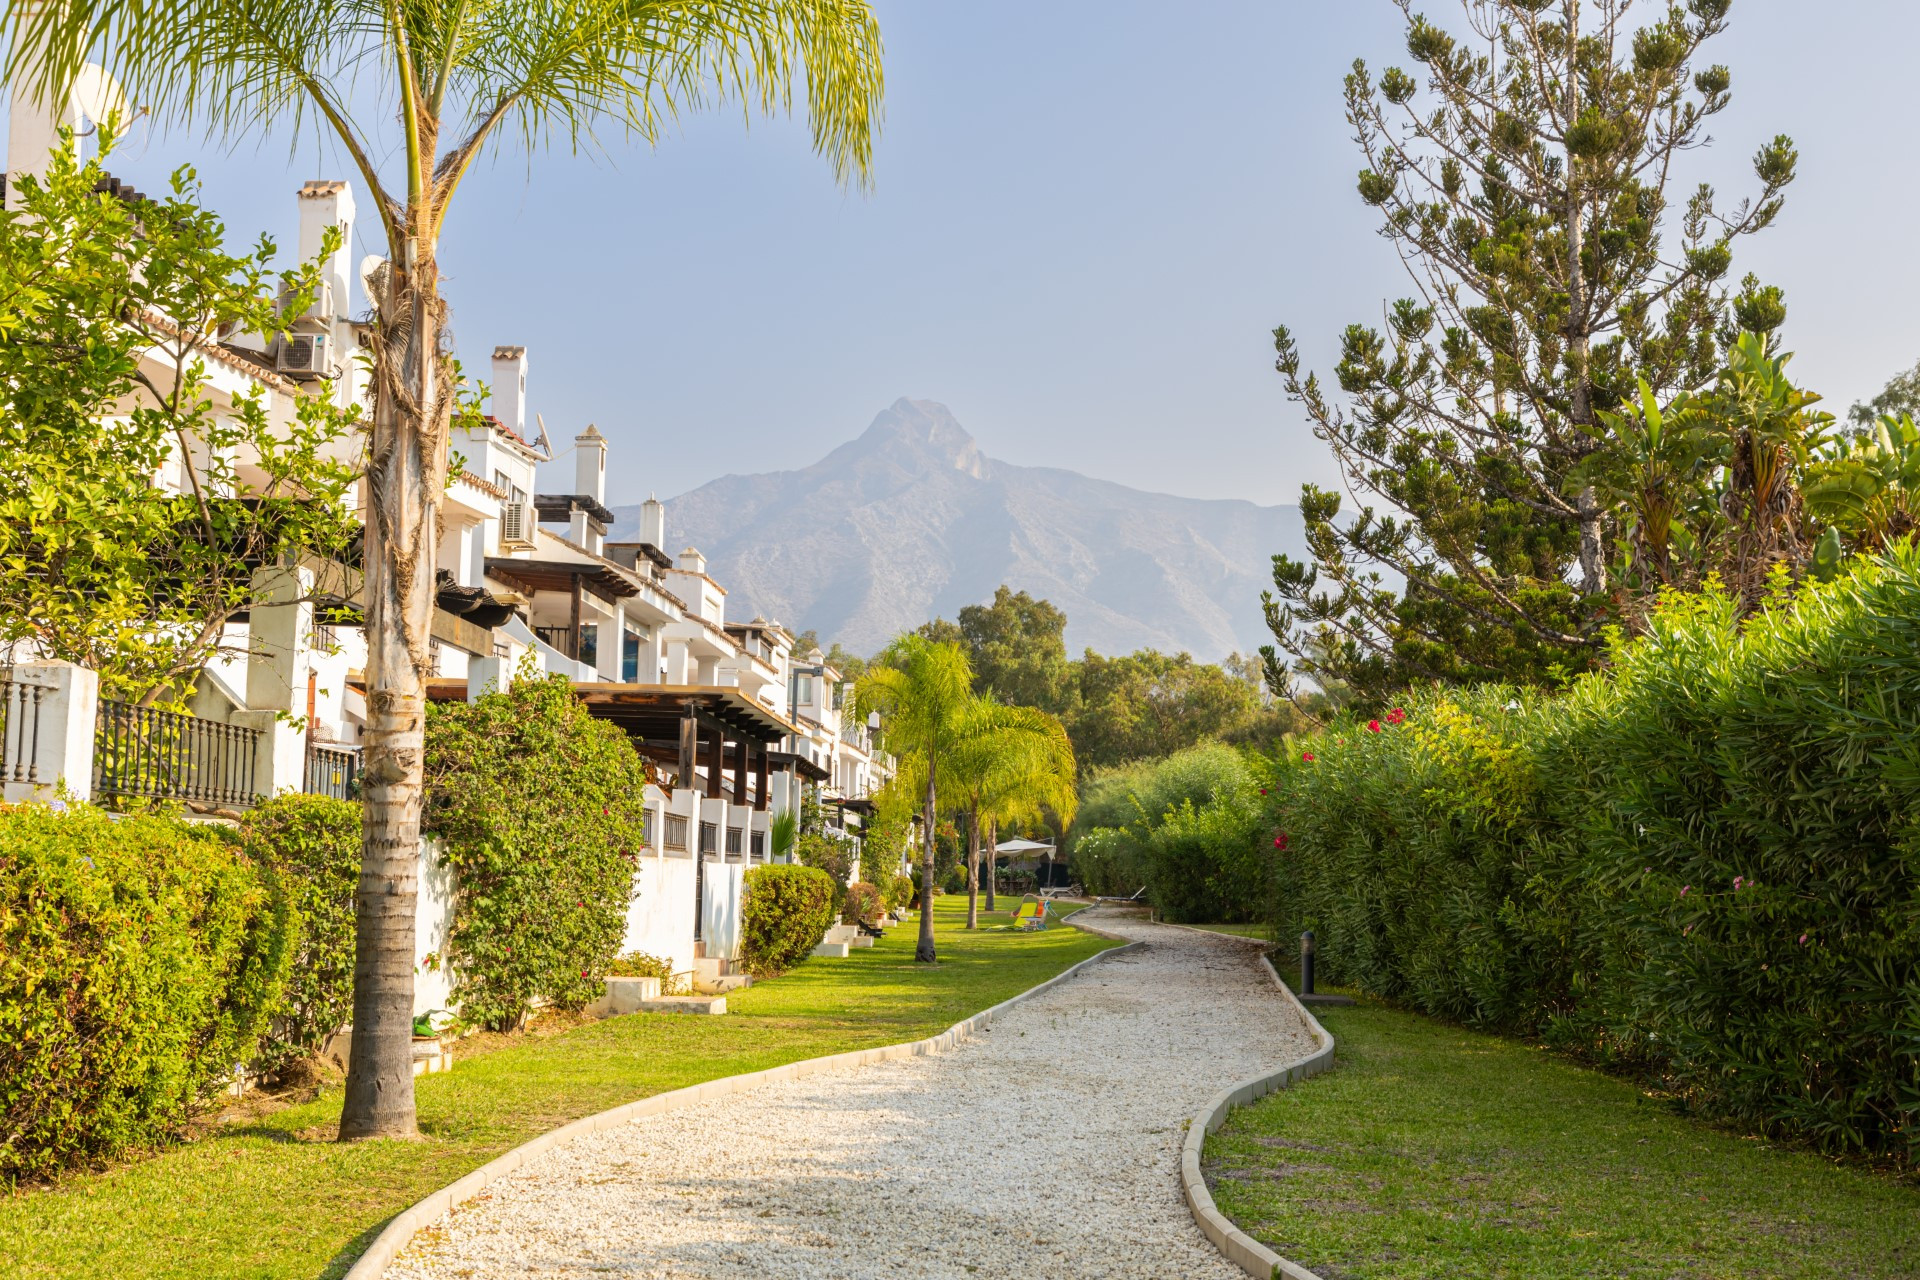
{"x":911,"y":521}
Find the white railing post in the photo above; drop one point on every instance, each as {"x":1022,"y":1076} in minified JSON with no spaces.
{"x":279,"y":655}
{"x":54,"y":731}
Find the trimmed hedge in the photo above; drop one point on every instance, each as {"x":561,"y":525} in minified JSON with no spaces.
{"x":313,"y":843}
{"x":784,"y":912}
{"x":1702,"y":865}
{"x":140,"y":959}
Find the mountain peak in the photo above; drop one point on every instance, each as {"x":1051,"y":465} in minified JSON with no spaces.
{"x":926,"y":430}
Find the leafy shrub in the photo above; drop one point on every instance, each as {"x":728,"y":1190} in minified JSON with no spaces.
{"x":833,"y":855}
{"x":1699,"y":865}
{"x":312,"y":843}
{"x":539,"y":808}
{"x":784,"y":912}
{"x":139,"y":962}
{"x":899,"y":892}
{"x":1186,"y":829}
{"x":862,"y":905}
{"x":642,"y":964}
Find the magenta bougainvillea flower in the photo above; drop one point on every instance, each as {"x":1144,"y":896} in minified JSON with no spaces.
{"x":1281,"y":842}
{"x":1373,"y":726}
{"x":1307,"y":756}
{"x":1397,"y":715}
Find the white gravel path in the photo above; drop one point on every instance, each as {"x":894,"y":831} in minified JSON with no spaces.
{"x":1047,"y":1146}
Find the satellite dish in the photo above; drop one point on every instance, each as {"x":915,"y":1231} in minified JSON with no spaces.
{"x":97,"y":95}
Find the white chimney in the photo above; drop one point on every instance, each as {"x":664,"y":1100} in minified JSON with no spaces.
{"x":653,"y":523}
{"x":510,"y":388}
{"x":326,"y":204}
{"x":691,"y":561}
{"x":590,"y":464}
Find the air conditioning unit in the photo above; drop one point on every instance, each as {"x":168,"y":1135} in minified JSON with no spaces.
{"x":305,"y":355}
{"x":518,"y":520}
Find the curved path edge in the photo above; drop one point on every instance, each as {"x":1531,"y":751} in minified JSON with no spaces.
{"x":372,"y":1264}
{"x":1242,"y":1249}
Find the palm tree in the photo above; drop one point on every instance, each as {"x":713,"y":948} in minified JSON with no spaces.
{"x":1005,"y":759}
{"x":1030,"y":796}
{"x":923,"y":690}
{"x":451,"y":77}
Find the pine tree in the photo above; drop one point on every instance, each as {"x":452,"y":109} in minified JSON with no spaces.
{"x":1525,"y":185}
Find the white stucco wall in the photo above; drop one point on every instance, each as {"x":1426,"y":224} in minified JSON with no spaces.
{"x":660,"y":916}
{"x":432,"y":919}
{"x":720,"y":909}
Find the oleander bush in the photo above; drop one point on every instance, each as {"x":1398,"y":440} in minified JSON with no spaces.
{"x":539,"y":808}
{"x":862,"y":904}
{"x":140,"y":960}
{"x":784,"y":912}
{"x":313,"y":844}
{"x":1701,"y":865}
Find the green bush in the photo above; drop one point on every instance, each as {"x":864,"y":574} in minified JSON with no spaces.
{"x":539,"y":808}
{"x":784,"y":912}
{"x":139,"y":962}
{"x":312,"y":843}
{"x":1187,"y":829}
{"x":1702,"y":865}
{"x":862,"y":904}
{"x":643,"y":964}
{"x":899,"y":892}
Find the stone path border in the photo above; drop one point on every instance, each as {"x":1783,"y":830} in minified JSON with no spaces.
{"x":1242,"y":1249}
{"x":373,"y":1263}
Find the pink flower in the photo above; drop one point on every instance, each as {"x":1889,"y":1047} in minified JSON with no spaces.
{"x":1396,"y":716}
{"x":1737,"y":882}
{"x":1803,"y":939}
{"x":1373,"y":726}
{"x":1684,"y":888}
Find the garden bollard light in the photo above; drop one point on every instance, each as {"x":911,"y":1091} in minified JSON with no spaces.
{"x":1306,"y":963}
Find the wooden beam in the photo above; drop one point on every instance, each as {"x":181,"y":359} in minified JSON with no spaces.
{"x":741,"y":750}
{"x":574,"y":647}
{"x":760,"y":781}
{"x":716,"y":763}
{"x":689,"y":740}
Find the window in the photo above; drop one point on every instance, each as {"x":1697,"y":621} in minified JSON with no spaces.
{"x":630,"y":657}
{"x":676,"y":833}
{"x":590,"y":643}
{"x":803,"y":691}
{"x":839,"y":696}
{"x":646,"y":828}
{"x":733,"y":844}
{"x":502,"y":482}
{"x":709,"y":838}
{"x":758,"y":850}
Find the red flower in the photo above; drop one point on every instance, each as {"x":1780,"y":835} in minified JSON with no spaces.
{"x":1263,"y":791}
{"x":1281,"y":842}
{"x":1373,"y":726}
{"x":1307,"y":757}
{"x":1396,"y":716}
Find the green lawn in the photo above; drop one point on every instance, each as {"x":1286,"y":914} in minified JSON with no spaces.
{"x":276,"y":1198}
{"x":1431,"y":1150}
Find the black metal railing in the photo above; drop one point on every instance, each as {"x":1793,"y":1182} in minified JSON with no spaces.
{"x":333,"y":771}
{"x":163,"y":755}
{"x":19,"y":730}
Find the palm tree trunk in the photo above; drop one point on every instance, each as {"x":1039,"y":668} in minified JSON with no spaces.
{"x":924,"y":951}
{"x":405,"y":476}
{"x":993,"y":856}
{"x":973,"y":866}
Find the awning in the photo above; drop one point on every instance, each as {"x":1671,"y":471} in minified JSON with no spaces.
{"x":560,"y":575}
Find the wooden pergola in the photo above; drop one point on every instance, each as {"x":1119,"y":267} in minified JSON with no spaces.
{"x":684,"y":727}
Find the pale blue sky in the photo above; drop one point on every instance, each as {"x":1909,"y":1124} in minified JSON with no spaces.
{"x":1087,"y":217}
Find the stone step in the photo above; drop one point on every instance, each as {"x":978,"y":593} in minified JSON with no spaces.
{"x":860,"y":940}
{"x":842,"y":933}
{"x":685,"y":1004}
{"x":837,"y":950}
{"x":724,"y":983}
{"x":624,"y":995}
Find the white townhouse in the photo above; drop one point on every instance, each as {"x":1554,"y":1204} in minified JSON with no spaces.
{"x":732,"y":725}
